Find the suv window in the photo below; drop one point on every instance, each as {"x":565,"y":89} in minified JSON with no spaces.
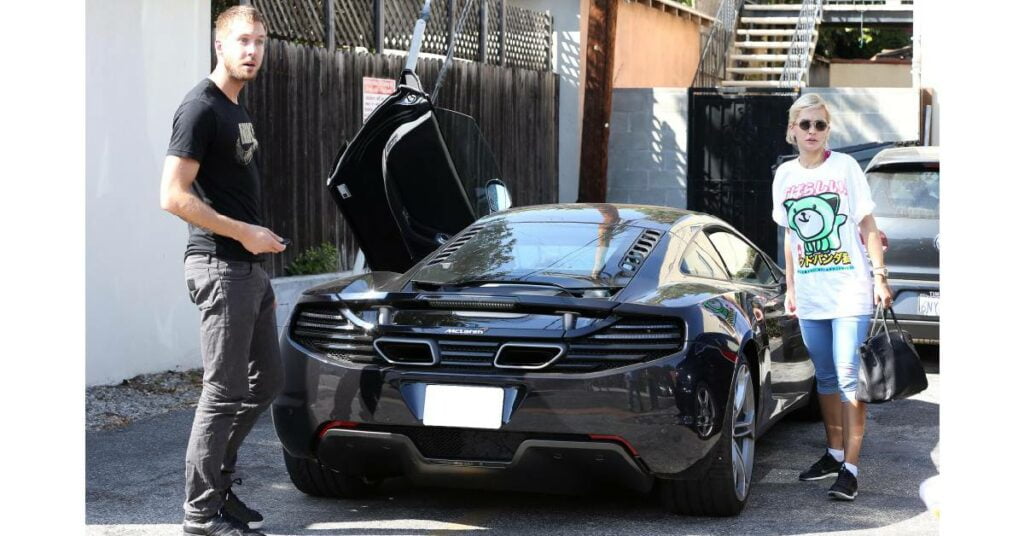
{"x":702,"y":260}
{"x":905,"y":194}
{"x":743,"y":261}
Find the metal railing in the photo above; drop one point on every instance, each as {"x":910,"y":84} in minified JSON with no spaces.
{"x":714,"y":56}
{"x":801,"y":47}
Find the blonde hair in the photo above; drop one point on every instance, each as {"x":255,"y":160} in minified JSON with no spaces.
{"x":247,"y":13}
{"x":805,"y":102}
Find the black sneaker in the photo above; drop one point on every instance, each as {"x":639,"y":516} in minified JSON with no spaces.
{"x":845,"y":488}
{"x":825,"y":467}
{"x":219,"y":525}
{"x":237,"y":509}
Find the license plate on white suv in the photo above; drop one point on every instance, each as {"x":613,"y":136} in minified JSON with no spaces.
{"x":463,"y":406}
{"x":928,"y":304}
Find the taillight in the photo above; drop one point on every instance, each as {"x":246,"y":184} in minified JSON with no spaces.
{"x":335,"y":424}
{"x":615,"y":439}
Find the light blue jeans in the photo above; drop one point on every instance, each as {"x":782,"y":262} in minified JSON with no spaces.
{"x":834,"y":345}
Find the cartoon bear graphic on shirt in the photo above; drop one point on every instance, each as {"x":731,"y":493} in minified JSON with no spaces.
{"x":816,"y":220}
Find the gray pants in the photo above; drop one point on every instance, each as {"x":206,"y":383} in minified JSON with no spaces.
{"x":241,"y":372}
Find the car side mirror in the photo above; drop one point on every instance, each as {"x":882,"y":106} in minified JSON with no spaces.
{"x":497,"y":196}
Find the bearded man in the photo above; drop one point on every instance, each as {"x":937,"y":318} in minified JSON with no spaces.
{"x":212,"y":181}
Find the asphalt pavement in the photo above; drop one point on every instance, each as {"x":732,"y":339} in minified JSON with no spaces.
{"x":135,"y":486}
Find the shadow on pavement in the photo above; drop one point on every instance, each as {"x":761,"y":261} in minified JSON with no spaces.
{"x":135,"y":478}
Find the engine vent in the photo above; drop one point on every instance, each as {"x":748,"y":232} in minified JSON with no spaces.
{"x":325,"y":330}
{"x":454,"y":245}
{"x":625,"y":342}
{"x":641,"y":249}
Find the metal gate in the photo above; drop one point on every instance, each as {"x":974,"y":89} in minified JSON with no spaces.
{"x":733,"y":141}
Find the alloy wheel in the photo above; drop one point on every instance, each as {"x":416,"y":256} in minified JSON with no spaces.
{"x":743,"y":411}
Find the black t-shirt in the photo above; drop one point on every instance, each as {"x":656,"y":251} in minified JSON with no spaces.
{"x":208,"y":127}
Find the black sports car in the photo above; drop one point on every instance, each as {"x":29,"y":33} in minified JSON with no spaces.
{"x":549,"y":348}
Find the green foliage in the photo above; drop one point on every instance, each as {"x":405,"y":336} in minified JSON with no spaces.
{"x":853,"y":43}
{"x":315,"y":260}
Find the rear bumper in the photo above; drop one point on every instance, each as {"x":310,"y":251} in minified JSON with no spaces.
{"x":906,"y":304}
{"x":556,"y":466}
{"x":921,"y":331}
{"x":563,"y":421}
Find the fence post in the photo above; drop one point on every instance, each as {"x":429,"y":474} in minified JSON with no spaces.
{"x":451,"y":24}
{"x":482,"y":34}
{"x":501,"y":33}
{"x":329,"y":25}
{"x":378,"y":26}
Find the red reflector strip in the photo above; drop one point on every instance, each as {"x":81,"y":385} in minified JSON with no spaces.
{"x":731,"y":356}
{"x":335,"y":424}
{"x":616,"y":439}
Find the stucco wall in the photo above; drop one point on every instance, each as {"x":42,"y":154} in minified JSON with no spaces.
{"x":862,"y":115}
{"x":654,"y":48}
{"x":568,"y":34}
{"x":141,"y":59}
{"x":869,"y":74}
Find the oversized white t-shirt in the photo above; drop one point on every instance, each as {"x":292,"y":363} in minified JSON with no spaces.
{"x":821,"y":209}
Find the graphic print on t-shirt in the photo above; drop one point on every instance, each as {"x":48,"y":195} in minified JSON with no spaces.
{"x":816,"y":221}
{"x":246,"y":144}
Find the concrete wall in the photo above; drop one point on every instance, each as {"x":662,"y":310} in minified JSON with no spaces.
{"x":928,"y":66}
{"x":861,"y":115}
{"x":569,"y":32}
{"x":861,"y":73}
{"x":141,"y":59}
{"x":647,"y":147}
{"x":654,"y":48}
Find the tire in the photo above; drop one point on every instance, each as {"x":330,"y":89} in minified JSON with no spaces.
{"x":312,"y":478}
{"x":724,"y":489}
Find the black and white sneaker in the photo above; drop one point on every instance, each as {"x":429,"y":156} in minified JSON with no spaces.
{"x":825,"y":467}
{"x":218,"y":525}
{"x":234,"y":507}
{"x":845,"y":488}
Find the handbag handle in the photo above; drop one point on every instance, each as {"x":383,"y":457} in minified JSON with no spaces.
{"x":882,"y":312}
{"x":876,"y":326}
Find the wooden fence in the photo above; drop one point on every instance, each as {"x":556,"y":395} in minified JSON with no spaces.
{"x":306,"y":102}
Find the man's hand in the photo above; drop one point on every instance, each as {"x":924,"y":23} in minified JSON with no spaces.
{"x":258,"y":240}
{"x":177,"y":198}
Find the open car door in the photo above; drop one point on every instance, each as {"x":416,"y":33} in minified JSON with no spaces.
{"x":413,"y":177}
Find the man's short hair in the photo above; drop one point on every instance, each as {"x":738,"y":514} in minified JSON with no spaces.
{"x":246,"y":13}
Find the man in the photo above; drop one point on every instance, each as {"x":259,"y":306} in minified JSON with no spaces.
{"x":211,"y":180}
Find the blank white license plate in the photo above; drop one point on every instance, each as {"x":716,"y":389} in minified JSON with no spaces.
{"x":928,"y":305}
{"x":463,"y":406}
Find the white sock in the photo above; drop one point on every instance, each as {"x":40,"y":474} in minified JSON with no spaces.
{"x":837,"y":455}
{"x":851,"y":468}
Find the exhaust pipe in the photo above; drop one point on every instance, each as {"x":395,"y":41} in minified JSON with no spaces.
{"x":527,"y":356}
{"x":415,"y":352}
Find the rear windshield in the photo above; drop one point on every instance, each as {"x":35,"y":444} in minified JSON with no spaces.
{"x":517,"y":250}
{"x":905,"y":194}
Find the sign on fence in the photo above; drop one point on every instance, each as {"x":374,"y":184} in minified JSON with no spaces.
{"x":375,"y":90}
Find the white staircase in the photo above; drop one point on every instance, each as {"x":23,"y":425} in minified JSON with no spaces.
{"x":774,"y":43}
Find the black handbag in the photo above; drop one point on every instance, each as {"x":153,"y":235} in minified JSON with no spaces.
{"x":890,"y":368}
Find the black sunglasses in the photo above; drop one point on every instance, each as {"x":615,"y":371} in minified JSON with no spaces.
{"x":819,"y":125}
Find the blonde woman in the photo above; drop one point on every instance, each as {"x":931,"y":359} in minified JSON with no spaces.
{"x":823,"y":200}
